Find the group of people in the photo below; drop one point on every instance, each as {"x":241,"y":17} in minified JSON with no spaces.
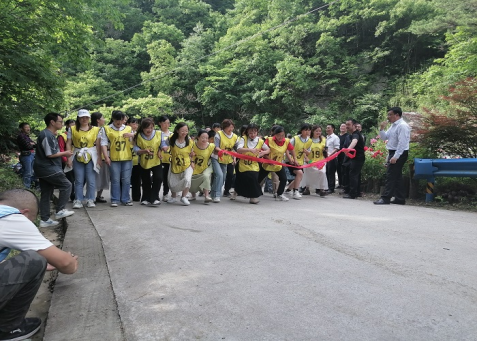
{"x":196,"y":165}
{"x":130,"y":154}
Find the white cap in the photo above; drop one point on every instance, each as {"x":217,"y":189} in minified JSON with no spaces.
{"x":83,"y":113}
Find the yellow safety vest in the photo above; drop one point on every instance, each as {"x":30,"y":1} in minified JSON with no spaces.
{"x":120,"y":149}
{"x":247,"y":165}
{"x":83,"y":139}
{"x":276,"y":153}
{"x":227,"y":144}
{"x":317,"y":149}
{"x":180,"y":157}
{"x":202,"y":157}
{"x":300,"y":146}
{"x":166,"y":156}
{"x":154,"y":144}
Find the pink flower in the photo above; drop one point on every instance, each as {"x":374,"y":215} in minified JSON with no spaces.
{"x":366,"y":148}
{"x":373,"y":141}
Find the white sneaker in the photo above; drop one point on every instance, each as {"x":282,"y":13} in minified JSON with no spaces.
{"x":233,"y":196}
{"x":90,"y":203}
{"x":216,"y":199}
{"x":207,"y":199}
{"x":129,"y":203}
{"x":282,"y":197}
{"x":185,"y":201}
{"x":145,"y":202}
{"x":171,"y":200}
{"x":114,"y":204}
{"x":77,"y":204}
{"x":166,"y":198}
{"x":63,"y":213}
{"x":156,"y":202}
{"x":49,"y":223}
{"x":296,"y":195}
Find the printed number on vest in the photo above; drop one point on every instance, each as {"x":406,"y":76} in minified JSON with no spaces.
{"x":199,"y":161}
{"x":120,"y":146}
{"x":150,"y":156}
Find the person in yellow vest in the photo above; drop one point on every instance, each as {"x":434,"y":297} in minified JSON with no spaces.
{"x":182,"y":164}
{"x":201,"y":177}
{"x":164,"y":124}
{"x":62,"y":138}
{"x":136,"y":169}
{"x":86,"y":160}
{"x":302,"y":143}
{"x":224,"y":139}
{"x":246,"y":181}
{"x":278,"y":145}
{"x":119,"y":137}
{"x":148,"y":144}
{"x":103,"y":177}
{"x":314,"y":178}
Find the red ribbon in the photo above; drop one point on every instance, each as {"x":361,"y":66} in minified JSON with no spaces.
{"x":351,"y":153}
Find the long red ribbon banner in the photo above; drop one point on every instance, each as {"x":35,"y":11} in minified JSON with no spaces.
{"x":351,"y":153}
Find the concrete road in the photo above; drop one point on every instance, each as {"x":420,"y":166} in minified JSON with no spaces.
{"x":313,"y":269}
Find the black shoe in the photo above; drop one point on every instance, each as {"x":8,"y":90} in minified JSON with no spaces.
{"x":101,"y":200}
{"x":381,"y":202}
{"x":306,"y":191}
{"x":226,"y":194}
{"x":347,"y":196}
{"x":27,"y":328}
{"x":339,"y":187}
{"x":398,"y":202}
{"x":330,"y":191}
{"x":322,"y":193}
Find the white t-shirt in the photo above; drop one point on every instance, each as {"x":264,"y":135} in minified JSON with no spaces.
{"x":19,"y":233}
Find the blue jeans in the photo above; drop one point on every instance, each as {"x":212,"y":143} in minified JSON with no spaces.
{"x":120,"y":181}
{"x":84,"y":173}
{"x":27,"y":167}
{"x":218,"y":177}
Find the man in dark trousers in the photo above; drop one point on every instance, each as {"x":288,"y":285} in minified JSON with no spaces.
{"x":22,"y":275}
{"x":356,"y":163}
{"x":49,"y":171}
{"x":27,"y":153}
{"x":398,"y":136}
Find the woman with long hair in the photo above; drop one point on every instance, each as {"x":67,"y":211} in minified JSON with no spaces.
{"x":182,"y":164}
{"x":201,"y":176}
{"x":315,"y":178}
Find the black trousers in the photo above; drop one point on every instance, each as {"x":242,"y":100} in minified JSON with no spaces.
{"x":282,"y":176}
{"x":151,"y":185}
{"x":354,"y":176}
{"x":165,"y":172}
{"x":331,"y":174}
{"x":229,"y":178}
{"x":20,"y":279}
{"x":136,"y":183}
{"x":339,"y":168}
{"x":394,"y":186}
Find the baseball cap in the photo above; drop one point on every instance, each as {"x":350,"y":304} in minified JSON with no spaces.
{"x":83,"y":113}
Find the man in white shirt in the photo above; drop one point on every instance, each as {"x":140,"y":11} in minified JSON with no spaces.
{"x":21,"y":275}
{"x":398,"y":136}
{"x":332,"y":146}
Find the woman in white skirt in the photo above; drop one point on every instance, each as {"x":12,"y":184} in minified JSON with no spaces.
{"x":201,"y":177}
{"x":315,"y":178}
{"x":182,"y":164}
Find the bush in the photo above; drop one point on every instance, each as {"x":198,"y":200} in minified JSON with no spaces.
{"x":8,"y":178}
{"x":374,"y":168}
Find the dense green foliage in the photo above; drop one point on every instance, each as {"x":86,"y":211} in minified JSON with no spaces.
{"x":265,"y":61}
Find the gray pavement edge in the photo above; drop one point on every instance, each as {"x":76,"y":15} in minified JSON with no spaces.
{"x":83,"y":306}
